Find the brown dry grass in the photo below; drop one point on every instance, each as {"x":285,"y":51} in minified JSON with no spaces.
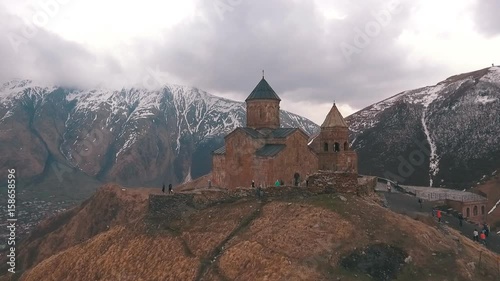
{"x":120,"y":254}
{"x":207,"y":229}
{"x":111,"y":205}
{"x":299,"y":239}
{"x":199,"y":183}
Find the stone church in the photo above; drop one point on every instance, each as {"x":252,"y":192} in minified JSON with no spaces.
{"x":264,"y":152}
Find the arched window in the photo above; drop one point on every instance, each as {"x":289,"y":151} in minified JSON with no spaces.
{"x":474,"y":211}
{"x":325,"y":146}
{"x":260,"y":113}
{"x":337,"y":147}
{"x":468,"y":212}
{"x":346,"y":146}
{"x":482,"y":210}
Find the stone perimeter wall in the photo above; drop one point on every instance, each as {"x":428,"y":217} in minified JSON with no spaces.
{"x":341,"y":182}
{"x":173,"y":207}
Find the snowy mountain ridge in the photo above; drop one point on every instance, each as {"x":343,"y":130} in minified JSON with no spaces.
{"x":457,"y":119}
{"x":102,"y":131}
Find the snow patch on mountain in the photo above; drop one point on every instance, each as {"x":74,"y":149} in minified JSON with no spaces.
{"x":485,"y":99}
{"x":493,"y":75}
{"x":427,"y":97}
{"x":494,"y":207}
{"x":28,"y":93}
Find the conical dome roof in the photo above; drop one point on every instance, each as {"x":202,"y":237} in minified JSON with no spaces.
{"x":263,"y":91}
{"x":334,"y":119}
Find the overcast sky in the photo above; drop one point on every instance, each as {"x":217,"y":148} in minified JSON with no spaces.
{"x":313,"y":52}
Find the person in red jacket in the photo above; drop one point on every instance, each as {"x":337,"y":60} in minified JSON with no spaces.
{"x":438,"y":214}
{"x":482,"y":237}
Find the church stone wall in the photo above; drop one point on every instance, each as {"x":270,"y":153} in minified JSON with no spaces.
{"x":240,"y":154}
{"x":218,"y":170}
{"x":264,"y":171}
{"x":344,"y":161}
{"x":263,"y":114}
{"x":239,"y":166}
{"x":296,"y":158}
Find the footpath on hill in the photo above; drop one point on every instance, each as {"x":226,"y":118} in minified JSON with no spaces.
{"x":408,"y":205}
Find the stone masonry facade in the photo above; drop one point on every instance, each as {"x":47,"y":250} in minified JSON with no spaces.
{"x":264,"y":153}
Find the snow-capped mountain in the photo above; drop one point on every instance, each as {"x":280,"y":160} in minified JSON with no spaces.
{"x":442,"y":135}
{"x":132,"y":136}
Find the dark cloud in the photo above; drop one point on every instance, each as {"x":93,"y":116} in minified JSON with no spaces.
{"x":487,"y":16}
{"x":224,"y":48}
{"x":300,"y":51}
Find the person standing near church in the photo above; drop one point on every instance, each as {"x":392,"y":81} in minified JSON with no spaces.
{"x":482,"y":237}
{"x":475,"y":235}
{"x":253,"y":184}
{"x":163,"y":188}
{"x":277,"y":183}
{"x":170,"y":188}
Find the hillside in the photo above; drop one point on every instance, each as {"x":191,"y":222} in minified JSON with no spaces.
{"x":293,"y":237}
{"x":443,"y":135}
{"x":65,"y":143}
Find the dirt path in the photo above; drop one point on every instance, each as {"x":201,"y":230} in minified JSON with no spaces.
{"x":214,"y":255}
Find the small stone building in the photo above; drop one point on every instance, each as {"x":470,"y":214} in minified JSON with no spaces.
{"x":472,"y":207}
{"x":264,"y":152}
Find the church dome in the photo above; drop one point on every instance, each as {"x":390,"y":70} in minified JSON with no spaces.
{"x":263,"y":91}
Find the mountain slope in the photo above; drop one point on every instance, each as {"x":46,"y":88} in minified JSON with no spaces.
{"x":130,"y":136}
{"x":442,"y":135}
{"x":314,"y":237}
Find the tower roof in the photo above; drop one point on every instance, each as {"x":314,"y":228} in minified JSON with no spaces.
{"x":263,"y":91}
{"x":334,"y":119}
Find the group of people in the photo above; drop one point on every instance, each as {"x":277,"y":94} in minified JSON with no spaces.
{"x":481,"y":236}
{"x":259,"y":192}
{"x":169,"y":188}
{"x":279,"y":182}
{"x":476,"y":235}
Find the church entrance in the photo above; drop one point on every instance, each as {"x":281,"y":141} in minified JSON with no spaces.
{"x":296,"y":177}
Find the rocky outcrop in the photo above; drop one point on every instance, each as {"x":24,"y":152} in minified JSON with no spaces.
{"x":380,"y":261}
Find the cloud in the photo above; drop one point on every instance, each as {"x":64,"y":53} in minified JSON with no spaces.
{"x":299,"y":48}
{"x":31,"y":52}
{"x":313,"y":52}
{"x":487,"y":17}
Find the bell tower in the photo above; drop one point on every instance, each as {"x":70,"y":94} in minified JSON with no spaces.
{"x":263,"y":107}
{"x":332,"y":144}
